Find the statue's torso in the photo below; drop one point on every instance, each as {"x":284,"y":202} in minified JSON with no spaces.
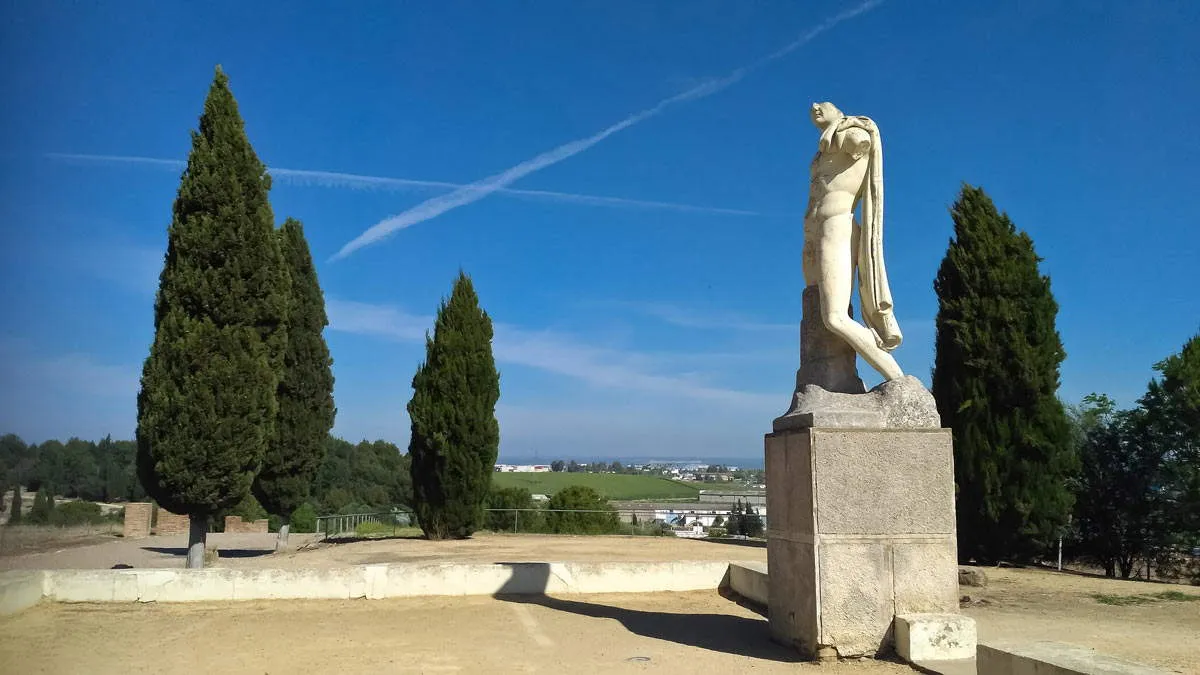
{"x":837,"y":176}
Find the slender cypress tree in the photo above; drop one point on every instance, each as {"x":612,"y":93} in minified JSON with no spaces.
{"x":305,"y":393}
{"x":15,"y":515}
{"x":455,"y":435}
{"x":995,"y":378}
{"x":206,"y":409}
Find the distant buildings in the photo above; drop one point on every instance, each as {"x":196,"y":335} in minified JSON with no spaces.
{"x":522,"y":468}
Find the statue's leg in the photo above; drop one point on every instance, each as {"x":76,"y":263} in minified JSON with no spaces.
{"x":837,"y":281}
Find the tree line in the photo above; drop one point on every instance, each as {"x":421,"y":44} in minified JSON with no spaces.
{"x":351,"y":478}
{"x":1119,"y":486}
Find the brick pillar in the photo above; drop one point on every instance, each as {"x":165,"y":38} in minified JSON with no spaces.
{"x":137,"y":520}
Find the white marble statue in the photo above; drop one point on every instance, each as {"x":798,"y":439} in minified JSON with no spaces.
{"x":847,"y":171}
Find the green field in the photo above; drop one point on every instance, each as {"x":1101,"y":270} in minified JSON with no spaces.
{"x":611,"y":485}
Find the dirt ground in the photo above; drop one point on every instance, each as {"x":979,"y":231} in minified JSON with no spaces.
{"x":698,"y":632}
{"x":258,"y":550}
{"x":1032,"y":605}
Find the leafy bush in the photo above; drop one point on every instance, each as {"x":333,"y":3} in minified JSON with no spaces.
{"x":42,"y":512}
{"x":602,"y":518}
{"x":716,"y":532}
{"x":304,"y":518}
{"x":510,"y":521}
{"x":76,"y":513}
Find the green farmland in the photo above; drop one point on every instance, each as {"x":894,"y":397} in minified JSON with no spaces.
{"x":611,"y":485}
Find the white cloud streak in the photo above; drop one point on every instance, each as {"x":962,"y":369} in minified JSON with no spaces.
{"x":468,"y":194}
{"x":354,"y":181}
{"x":547,"y":351}
{"x":684,"y":318}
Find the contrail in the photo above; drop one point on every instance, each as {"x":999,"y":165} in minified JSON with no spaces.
{"x":363,"y":182}
{"x":467,"y":194}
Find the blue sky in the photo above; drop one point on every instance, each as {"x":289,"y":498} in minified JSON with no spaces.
{"x":660,"y":320}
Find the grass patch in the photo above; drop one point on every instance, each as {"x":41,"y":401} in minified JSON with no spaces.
{"x":1177,"y":596}
{"x":1144,"y":599}
{"x":611,"y":485}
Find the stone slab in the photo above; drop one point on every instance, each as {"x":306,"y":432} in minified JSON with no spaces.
{"x":864,"y":530}
{"x":1053,"y":658}
{"x":935,"y":637}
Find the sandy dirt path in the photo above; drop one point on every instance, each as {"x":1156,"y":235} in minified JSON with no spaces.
{"x":1034,"y":605}
{"x":258,"y":550}
{"x":614,"y":633}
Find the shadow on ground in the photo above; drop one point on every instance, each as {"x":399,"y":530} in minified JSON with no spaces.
{"x":753,"y":543}
{"x":221,"y":553}
{"x":726,"y":633}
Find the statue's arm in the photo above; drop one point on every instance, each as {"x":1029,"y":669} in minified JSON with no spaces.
{"x":855,"y":142}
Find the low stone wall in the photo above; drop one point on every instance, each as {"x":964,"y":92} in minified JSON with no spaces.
{"x":239,"y":525}
{"x":20,"y":590}
{"x":137,"y":520}
{"x":1053,"y":658}
{"x":749,"y":580}
{"x":171,"y":523}
{"x":371,"y":581}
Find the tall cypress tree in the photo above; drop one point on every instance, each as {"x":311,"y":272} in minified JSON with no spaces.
{"x":455,"y":435}
{"x":15,"y":514}
{"x":305,"y":393}
{"x":995,"y":378}
{"x":206,"y":408}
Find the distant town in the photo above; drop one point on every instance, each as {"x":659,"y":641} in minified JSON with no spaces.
{"x":697,"y":472}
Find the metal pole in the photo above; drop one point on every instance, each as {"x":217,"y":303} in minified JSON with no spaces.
{"x":516,"y":521}
{"x":1060,"y":553}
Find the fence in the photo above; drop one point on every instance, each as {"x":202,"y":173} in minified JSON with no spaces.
{"x":650,"y":522}
{"x":343,"y":524}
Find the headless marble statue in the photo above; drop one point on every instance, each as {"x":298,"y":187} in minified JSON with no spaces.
{"x":847,"y":172}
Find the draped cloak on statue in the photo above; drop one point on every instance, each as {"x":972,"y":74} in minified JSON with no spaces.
{"x":874,"y":293}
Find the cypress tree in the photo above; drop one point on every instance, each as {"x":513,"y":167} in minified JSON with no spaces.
{"x":995,"y":378}
{"x":206,"y":408}
{"x":455,"y":435}
{"x":305,"y":393}
{"x":43,"y":508}
{"x":14,"y":515}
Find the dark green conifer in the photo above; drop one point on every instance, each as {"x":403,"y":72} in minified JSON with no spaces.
{"x":455,"y":435}
{"x":207,"y":408}
{"x":305,"y":393}
{"x":996,"y":378}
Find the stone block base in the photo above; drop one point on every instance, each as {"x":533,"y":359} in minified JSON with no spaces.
{"x":935,"y":637}
{"x":861,"y":529}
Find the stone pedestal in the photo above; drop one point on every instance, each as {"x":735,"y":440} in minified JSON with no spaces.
{"x":861,"y":528}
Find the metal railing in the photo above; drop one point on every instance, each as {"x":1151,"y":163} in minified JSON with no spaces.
{"x":348,"y":523}
{"x":629,"y":521}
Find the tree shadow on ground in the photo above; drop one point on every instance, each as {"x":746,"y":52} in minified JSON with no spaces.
{"x":753,"y":543}
{"x":221,"y":553}
{"x":726,"y":633}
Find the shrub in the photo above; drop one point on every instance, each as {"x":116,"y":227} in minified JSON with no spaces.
{"x":716,"y":532}
{"x":510,"y":521}
{"x":76,"y":513}
{"x":304,"y":518}
{"x":601,"y":519}
{"x":43,"y":508}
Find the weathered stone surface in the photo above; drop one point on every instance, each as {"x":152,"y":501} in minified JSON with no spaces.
{"x":861,"y":528}
{"x":971,"y":576}
{"x":874,"y":482}
{"x":935,"y":637}
{"x":826,"y":360}
{"x":904,"y":403}
{"x":1052,"y":658}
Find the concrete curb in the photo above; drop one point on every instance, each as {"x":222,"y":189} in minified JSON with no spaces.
{"x":20,"y":590}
